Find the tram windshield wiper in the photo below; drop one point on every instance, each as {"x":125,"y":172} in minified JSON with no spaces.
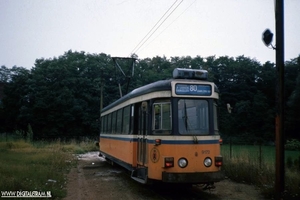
{"x":185,"y":117}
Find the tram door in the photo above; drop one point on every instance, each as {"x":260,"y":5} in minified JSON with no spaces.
{"x":142,"y":132}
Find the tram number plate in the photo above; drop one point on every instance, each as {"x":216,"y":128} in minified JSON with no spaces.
{"x":205,"y":151}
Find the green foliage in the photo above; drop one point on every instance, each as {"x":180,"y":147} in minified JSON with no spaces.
{"x":60,"y":97}
{"x":293,"y":145}
{"x":293,"y":107}
{"x":15,"y":98}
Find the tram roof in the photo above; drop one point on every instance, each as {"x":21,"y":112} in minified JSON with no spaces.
{"x":152,"y":87}
{"x":161,"y":85}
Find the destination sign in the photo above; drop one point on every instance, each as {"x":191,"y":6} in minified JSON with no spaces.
{"x":192,"y":89}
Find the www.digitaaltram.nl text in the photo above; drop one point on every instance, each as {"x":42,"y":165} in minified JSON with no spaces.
{"x":25,"y":194}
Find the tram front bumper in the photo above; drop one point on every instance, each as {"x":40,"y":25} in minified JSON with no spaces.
{"x":195,"y":178}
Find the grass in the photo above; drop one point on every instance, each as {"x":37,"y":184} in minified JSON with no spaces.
{"x":42,"y":166}
{"x":38,"y":166}
{"x":80,"y":147}
{"x":267,"y":152}
{"x":252,"y":165}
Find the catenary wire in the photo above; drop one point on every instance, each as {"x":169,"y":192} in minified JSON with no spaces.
{"x":158,"y":26}
{"x":143,"y":41}
{"x":153,"y":27}
{"x":169,"y":24}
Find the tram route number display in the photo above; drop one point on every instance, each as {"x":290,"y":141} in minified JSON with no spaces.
{"x":192,"y":89}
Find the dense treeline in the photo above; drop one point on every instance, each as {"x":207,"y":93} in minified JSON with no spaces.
{"x":60,"y":97}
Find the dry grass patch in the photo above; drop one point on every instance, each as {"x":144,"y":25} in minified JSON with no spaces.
{"x":26,"y":167}
{"x":250,"y":166}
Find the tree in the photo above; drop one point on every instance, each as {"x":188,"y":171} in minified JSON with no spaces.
{"x":16,"y":99}
{"x":65,"y":93}
{"x":60,"y":97}
{"x":293,"y":91}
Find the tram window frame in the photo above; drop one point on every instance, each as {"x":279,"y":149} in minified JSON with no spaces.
{"x":161,"y":115}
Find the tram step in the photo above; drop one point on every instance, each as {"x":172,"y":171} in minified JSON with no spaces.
{"x":139,"y":175}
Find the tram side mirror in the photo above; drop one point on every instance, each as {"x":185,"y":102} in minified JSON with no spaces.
{"x":144,"y":106}
{"x":229,"y":108}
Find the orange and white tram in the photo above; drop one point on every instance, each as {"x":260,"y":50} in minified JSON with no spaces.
{"x":166,"y":131}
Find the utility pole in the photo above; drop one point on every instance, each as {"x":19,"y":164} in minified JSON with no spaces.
{"x":280,"y":172}
{"x":279,"y":120}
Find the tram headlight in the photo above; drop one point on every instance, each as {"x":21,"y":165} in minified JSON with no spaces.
{"x":182,"y":162}
{"x":207,"y":162}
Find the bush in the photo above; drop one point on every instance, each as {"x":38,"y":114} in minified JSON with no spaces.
{"x":293,"y":145}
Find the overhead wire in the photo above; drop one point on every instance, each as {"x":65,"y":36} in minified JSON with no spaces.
{"x":170,"y":23}
{"x":147,"y":36}
{"x":153,"y":27}
{"x":158,"y":26}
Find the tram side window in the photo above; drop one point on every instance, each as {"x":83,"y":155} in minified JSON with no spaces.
{"x":119,"y":121}
{"x":103,"y":124}
{"x":162,"y":117}
{"x":108,"y":123}
{"x":166,"y":116}
{"x":143,"y":122}
{"x":216,"y":129}
{"x":132,"y":124}
{"x":126,"y":120}
{"x":113,"y":122}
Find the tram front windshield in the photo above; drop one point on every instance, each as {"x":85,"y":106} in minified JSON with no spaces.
{"x":193,"y":117}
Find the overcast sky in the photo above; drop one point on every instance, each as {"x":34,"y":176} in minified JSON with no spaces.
{"x":32,"y":29}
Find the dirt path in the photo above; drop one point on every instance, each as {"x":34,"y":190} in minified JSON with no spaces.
{"x":93,"y":178}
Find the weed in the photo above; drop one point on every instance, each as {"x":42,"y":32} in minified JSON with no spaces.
{"x":10,"y":145}
{"x":293,"y":145}
{"x":26,"y":167}
{"x":289,"y":162}
{"x":79,"y":147}
{"x":29,"y":134}
{"x":39,"y":165}
{"x":246,"y":165}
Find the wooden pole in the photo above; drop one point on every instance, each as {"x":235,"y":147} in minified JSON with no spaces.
{"x":280,"y":172}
